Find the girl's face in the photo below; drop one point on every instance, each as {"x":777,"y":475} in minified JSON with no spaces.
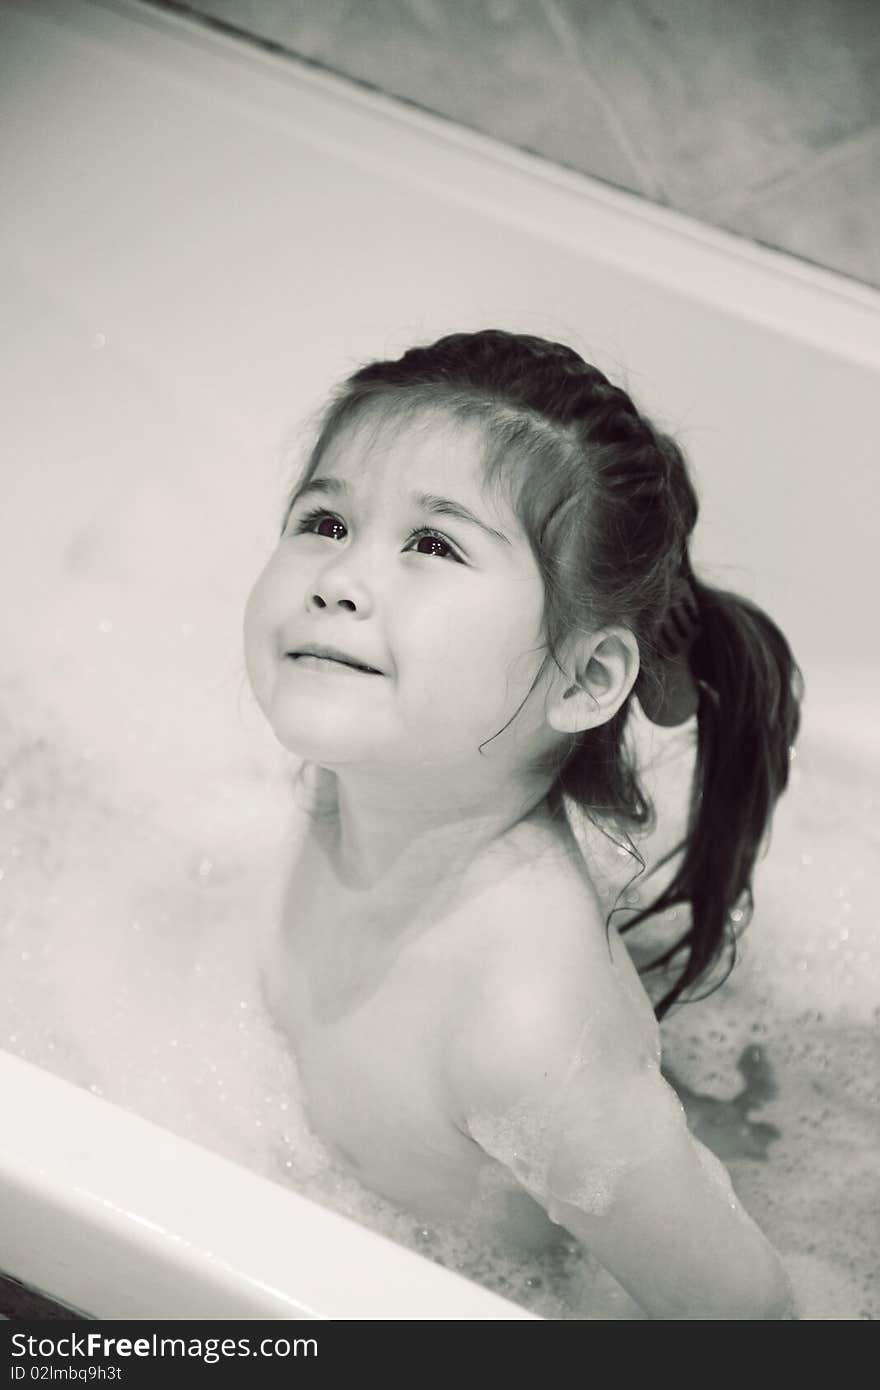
{"x":446,"y":608}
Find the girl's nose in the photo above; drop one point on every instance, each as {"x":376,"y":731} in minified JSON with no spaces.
{"x":319,"y":601}
{"x":337,"y":586}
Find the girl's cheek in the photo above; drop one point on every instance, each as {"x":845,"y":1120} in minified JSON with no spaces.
{"x":259,"y":632}
{"x":265,"y":599}
{"x":252,"y":659}
{"x":252,"y":617}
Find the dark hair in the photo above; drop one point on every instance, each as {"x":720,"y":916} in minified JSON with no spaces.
{"x":608,"y":506}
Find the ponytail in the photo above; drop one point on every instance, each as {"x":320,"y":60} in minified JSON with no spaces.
{"x":748,"y":716}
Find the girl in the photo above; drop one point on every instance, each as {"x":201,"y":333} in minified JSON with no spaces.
{"x":484,"y":564}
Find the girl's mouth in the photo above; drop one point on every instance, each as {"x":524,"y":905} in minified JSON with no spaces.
{"x":329,"y":663}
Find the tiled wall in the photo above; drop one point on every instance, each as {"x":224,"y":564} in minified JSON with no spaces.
{"x":760,"y":116}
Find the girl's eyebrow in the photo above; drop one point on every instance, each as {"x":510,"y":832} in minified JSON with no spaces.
{"x":425,"y":501}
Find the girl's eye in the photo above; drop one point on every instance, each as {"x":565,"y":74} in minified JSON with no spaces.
{"x":312,"y":522}
{"x":307,"y":522}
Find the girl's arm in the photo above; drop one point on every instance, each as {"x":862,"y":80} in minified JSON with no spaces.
{"x":667,"y":1222}
{"x":584,"y":1119}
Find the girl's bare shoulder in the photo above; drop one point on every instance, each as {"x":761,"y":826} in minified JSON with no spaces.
{"x":551,"y":974}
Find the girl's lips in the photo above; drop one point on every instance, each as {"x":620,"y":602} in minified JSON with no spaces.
{"x":327,"y":663}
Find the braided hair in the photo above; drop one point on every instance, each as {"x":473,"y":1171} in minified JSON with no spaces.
{"x":608,"y":506}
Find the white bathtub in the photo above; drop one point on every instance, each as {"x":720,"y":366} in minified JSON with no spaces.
{"x":198,"y":238}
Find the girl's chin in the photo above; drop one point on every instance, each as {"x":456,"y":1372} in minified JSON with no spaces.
{"x":319,"y":739}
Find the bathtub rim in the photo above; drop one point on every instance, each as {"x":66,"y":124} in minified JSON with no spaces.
{"x":133,"y":1210}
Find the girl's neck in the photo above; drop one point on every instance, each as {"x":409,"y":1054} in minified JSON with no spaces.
{"x":387,"y":845}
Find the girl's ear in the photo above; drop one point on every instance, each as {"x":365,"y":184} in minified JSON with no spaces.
{"x":600,"y":674}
